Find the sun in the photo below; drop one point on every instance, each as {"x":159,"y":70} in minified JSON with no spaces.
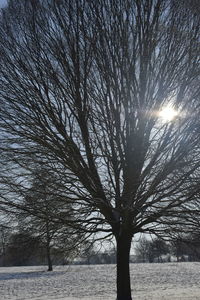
{"x":168,"y":114}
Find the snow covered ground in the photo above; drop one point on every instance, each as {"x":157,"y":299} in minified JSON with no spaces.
{"x":170,"y":281}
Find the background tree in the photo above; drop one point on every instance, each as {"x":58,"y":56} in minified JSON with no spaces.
{"x":142,"y":250}
{"x":186,"y":247}
{"x":5,"y":232}
{"x":43,"y":201}
{"x":22,"y":250}
{"x":82,"y":87}
{"x":157,"y":249}
{"x":151,"y":250}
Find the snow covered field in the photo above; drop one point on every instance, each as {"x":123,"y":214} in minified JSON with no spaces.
{"x":170,"y":281}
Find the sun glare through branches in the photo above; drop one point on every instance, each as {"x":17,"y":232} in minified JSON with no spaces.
{"x":167,"y":114}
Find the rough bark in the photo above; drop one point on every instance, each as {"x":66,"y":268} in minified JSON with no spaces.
{"x":123,"y":272}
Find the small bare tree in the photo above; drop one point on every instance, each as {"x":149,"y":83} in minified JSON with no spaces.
{"x":82,"y":87}
{"x":142,"y":250}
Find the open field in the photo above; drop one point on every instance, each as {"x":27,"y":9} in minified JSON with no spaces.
{"x":169,"y":281}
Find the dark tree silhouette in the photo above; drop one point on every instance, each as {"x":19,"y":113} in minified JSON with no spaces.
{"x":151,"y":250}
{"x":5,"y":232}
{"x":82,"y":84}
{"x":142,"y":250}
{"x":40,"y":205}
{"x":22,"y":248}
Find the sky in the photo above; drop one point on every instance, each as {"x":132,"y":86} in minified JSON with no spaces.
{"x":3,"y":3}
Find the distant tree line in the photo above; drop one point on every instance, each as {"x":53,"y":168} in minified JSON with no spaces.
{"x":23,"y":249}
{"x":93,"y":256}
{"x":182,"y":248}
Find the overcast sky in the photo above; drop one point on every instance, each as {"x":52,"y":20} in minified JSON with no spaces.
{"x":3,"y":3}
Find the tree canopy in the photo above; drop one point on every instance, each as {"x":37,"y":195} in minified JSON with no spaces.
{"x":82,"y":87}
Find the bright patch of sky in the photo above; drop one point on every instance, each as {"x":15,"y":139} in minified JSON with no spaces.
{"x":3,"y":3}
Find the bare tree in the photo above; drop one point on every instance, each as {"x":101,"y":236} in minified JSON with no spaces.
{"x":82,"y":87}
{"x":142,"y":250}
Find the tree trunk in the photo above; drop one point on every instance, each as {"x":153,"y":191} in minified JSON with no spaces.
{"x":48,"y":248}
{"x":123,"y":271}
{"x":49,"y":261}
